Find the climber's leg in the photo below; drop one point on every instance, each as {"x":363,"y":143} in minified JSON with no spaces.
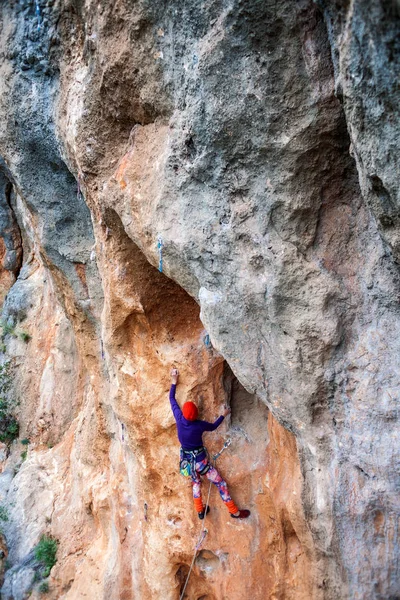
{"x":196,"y":483}
{"x":216,"y":478}
{"x":201,"y":465}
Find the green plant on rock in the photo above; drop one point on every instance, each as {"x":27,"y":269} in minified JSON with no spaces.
{"x":9,"y":427}
{"x":5,"y":378}
{"x":24,"y":454}
{"x":45,"y":553}
{"x":25,"y":336}
{"x":3,"y":513}
{"x":44,"y":587}
{"x":37,"y":576}
{"x":25,"y":442}
{"x":7,"y":328}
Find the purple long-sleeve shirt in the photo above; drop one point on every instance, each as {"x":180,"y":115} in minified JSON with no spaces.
{"x":190,"y":433}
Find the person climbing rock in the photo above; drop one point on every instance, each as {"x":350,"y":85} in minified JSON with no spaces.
{"x":190,"y":435}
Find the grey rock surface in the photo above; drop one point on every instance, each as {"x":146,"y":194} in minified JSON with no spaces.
{"x":18,"y":583}
{"x":259,"y":142}
{"x":31,"y":151}
{"x":365,"y":47}
{"x":9,"y":230}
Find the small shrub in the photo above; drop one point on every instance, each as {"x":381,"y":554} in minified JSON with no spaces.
{"x":37,"y":577}
{"x":12,"y":428}
{"x":25,"y":442}
{"x":44,"y":587}
{"x":5,"y":377}
{"x":3,"y":513}
{"x":45,"y":553}
{"x":25,"y":337}
{"x":24,"y":454}
{"x":9,"y":427}
{"x":7,"y":328}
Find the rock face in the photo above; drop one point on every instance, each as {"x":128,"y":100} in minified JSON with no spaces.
{"x":247,"y":150}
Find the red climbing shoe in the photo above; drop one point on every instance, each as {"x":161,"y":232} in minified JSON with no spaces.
{"x":243,"y":514}
{"x":202,"y":514}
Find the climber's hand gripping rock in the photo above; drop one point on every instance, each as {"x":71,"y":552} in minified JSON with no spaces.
{"x":174,"y":376}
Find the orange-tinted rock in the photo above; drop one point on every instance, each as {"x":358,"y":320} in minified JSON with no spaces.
{"x":125,"y":517}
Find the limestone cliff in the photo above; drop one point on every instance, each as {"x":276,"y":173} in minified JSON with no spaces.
{"x":211,"y":186}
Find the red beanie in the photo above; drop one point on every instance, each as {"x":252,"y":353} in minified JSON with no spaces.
{"x":190,"y":411}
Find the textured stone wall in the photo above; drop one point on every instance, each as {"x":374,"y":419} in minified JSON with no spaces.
{"x":249,"y":150}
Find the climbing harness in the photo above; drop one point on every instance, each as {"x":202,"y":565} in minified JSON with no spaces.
{"x":160,"y":260}
{"x":204,"y":531}
{"x":187,"y":461}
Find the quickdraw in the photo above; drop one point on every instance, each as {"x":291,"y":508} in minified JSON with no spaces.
{"x":160,"y":260}
{"x":207,"y":341}
{"x":224,"y":447}
{"x":38,"y":15}
{"x":79,"y":187}
{"x":201,"y":539}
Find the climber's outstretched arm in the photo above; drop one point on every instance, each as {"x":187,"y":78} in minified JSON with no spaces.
{"x":174,"y":405}
{"x":212,"y":426}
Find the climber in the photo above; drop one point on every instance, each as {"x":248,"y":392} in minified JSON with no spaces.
{"x":190,"y":433}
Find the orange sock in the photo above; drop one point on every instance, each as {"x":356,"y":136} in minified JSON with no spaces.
{"x":198,"y":504}
{"x":231,"y":506}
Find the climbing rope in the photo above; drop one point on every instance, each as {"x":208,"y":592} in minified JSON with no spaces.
{"x":204,"y":531}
